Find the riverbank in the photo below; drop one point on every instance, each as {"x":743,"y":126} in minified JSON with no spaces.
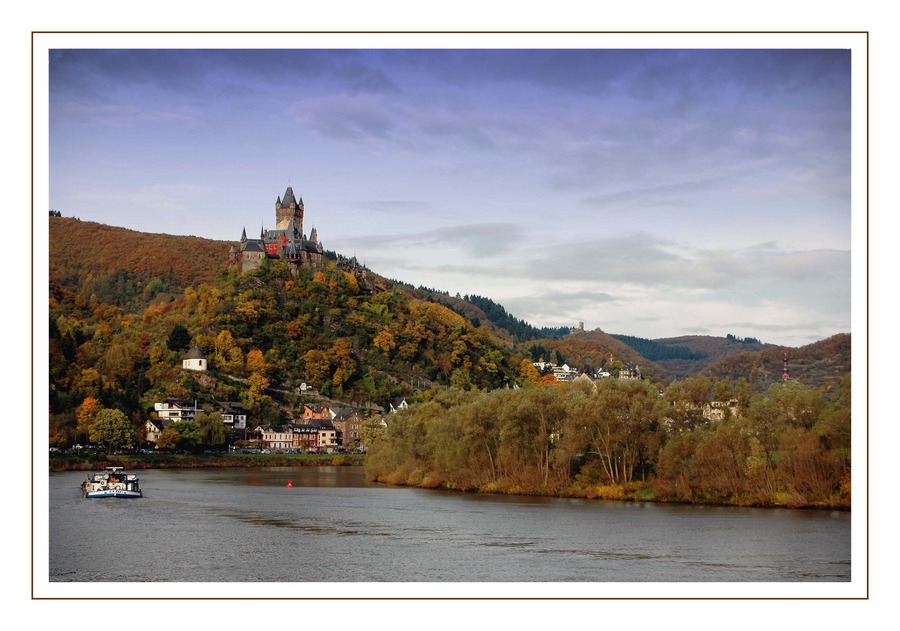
{"x":637,"y":491}
{"x":200,"y":461}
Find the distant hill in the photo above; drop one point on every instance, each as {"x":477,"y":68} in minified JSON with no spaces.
{"x":819,"y":365}
{"x":690,"y":354}
{"x":586,"y":349}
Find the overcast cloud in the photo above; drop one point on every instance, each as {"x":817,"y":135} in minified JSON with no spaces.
{"x":646,"y":192}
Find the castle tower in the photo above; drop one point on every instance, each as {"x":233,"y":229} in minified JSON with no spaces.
{"x":287,"y":208}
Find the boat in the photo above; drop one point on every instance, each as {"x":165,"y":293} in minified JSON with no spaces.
{"x":112,"y":482}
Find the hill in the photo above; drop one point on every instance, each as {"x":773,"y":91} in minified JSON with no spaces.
{"x":819,"y":365}
{"x":126,"y":268}
{"x":592,"y":349}
{"x":690,"y":354}
{"x":125,"y":305}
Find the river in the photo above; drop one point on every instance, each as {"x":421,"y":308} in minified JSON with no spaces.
{"x":331,"y":525}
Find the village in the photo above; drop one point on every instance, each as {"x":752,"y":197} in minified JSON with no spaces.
{"x":327,"y":428}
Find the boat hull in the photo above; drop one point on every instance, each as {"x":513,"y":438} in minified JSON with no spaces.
{"x":114,"y":493}
{"x":127,"y":495}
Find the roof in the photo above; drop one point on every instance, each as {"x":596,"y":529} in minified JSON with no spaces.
{"x":288,"y":197}
{"x":194,"y":353}
{"x":232,"y":406}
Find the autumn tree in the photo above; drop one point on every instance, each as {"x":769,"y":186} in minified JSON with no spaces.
{"x":111,"y":428}
{"x":169,"y":438}
{"x":529,"y":372}
{"x":86,"y":414}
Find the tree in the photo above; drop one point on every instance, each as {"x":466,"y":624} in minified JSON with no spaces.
{"x":318,"y":367}
{"x":210,"y":429}
{"x":179,"y":338}
{"x":169,"y":438}
{"x":619,"y":424}
{"x":86,"y":414}
{"x":112,"y":428}
{"x":529,"y":372}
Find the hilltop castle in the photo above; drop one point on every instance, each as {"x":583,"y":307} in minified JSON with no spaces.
{"x":286,"y":241}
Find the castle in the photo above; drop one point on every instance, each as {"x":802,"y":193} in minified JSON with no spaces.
{"x":286,"y":241}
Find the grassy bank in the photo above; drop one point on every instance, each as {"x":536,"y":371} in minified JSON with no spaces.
{"x":199,"y":461}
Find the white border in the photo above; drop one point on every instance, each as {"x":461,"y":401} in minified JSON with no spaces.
{"x":856,"y":588}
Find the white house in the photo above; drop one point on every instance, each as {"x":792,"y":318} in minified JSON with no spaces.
{"x":176,"y":409}
{"x":194,"y":360}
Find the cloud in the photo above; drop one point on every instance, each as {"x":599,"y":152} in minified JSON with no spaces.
{"x":390,"y":206}
{"x":668,"y":195}
{"x":478,"y":240}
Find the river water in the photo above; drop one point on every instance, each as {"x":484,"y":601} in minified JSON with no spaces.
{"x":331,"y":525}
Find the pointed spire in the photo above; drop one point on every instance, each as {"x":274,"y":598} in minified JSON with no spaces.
{"x":244,"y":235}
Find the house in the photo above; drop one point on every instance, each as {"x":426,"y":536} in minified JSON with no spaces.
{"x":305,"y":438}
{"x":321,"y":412}
{"x":234,"y":414}
{"x":176,"y":409}
{"x":397,"y":404}
{"x":347,"y":421}
{"x":629,"y":372}
{"x":275,"y":436}
{"x":326,"y":435}
{"x":154,"y":427}
{"x":565,"y":372}
{"x":194,"y":359}
{"x":602,"y":373}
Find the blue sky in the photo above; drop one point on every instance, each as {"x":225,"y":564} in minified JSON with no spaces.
{"x":651,"y":192}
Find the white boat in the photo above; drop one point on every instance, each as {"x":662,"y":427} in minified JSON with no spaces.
{"x":112,"y":482}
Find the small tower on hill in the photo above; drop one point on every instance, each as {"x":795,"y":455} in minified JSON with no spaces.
{"x":194,"y":359}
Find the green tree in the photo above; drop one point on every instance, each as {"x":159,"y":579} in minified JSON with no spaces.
{"x":210,"y":429}
{"x":112,"y":428}
{"x":179,"y":338}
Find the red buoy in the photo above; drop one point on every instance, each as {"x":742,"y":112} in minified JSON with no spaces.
{"x":290,"y":484}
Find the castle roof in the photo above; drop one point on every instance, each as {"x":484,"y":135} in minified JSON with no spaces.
{"x":288,"y":198}
{"x":252,"y":245}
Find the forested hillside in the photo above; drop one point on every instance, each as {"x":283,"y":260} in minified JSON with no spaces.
{"x":125,"y":267}
{"x":690,"y":354}
{"x":587,"y":350}
{"x":820,"y":364}
{"x":118,"y":302}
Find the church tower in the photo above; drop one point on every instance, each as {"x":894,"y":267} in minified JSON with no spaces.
{"x":288,"y":208}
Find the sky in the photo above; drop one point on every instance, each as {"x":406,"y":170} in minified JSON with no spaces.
{"x":653,"y":192}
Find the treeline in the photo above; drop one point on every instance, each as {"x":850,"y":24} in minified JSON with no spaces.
{"x":519,"y":329}
{"x":789,"y":446}
{"x":742,"y":340}
{"x":655,"y":351}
